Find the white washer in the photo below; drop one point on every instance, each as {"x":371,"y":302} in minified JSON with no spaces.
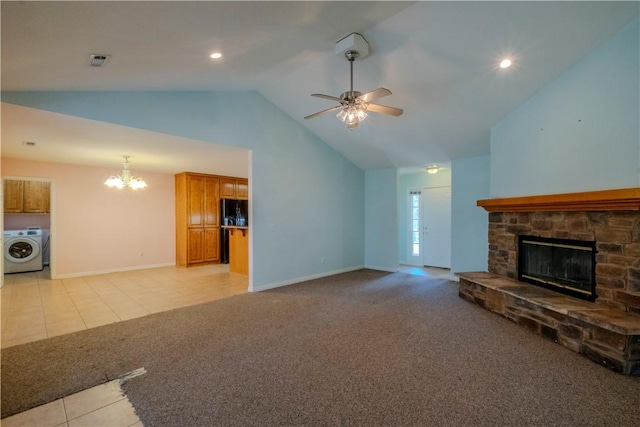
{"x":22,"y":250}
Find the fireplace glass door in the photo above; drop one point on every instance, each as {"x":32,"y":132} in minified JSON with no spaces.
{"x":566,"y":266}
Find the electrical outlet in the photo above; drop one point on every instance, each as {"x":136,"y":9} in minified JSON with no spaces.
{"x":321,"y":260}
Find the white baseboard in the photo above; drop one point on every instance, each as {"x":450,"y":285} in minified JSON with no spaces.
{"x":112,"y":270}
{"x":387,"y":269}
{"x":303,"y":279}
{"x":454,"y":277}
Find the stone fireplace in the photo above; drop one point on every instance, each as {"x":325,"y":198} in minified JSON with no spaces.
{"x":616,"y":233}
{"x":604,"y":325}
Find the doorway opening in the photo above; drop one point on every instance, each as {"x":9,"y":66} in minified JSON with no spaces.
{"x":26,"y":224}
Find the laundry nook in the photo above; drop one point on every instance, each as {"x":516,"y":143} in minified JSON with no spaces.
{"x":26,"y":225}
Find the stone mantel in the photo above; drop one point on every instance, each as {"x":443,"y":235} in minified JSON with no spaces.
{"x":625,"y":199}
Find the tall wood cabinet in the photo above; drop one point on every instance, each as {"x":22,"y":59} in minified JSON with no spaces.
{"x":197,"y":218}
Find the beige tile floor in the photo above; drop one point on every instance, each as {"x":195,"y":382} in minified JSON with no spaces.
{"x":34,"y":307}
{"x":104,"y":405}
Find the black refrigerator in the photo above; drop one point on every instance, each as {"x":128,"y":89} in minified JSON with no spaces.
{"x":232,"y":213}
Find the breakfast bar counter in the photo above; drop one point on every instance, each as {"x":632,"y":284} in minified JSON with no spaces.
{"x":238,"y":249}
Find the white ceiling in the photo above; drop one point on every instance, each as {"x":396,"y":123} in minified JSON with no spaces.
{"x":438,"y":58}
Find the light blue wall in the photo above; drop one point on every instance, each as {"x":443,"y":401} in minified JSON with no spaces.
{"x":469,"y":223}
{"x":414,"y":181}
{"x":308,"y":200}
{"x":381,"y":220}
{"x":579,"y":133}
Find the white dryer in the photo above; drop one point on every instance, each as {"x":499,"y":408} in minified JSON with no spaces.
{"x":22,"y":250}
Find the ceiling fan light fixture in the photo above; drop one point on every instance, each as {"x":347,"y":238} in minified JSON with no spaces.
{"x":352,"y":118}
{"x":353,"y":114}
{"x":361,"y":109}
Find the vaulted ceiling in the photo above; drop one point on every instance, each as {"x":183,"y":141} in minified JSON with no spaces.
{"x":440,"y":60}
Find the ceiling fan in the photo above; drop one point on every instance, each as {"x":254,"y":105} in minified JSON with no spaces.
{"x":353,"y":104}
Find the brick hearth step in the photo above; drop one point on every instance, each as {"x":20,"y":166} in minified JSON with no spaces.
{"x":607,"y":336}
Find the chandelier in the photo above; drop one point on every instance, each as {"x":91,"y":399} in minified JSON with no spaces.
{"x":125,"y":180}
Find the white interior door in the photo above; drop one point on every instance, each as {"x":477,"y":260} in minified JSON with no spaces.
{"x":436,"y":227}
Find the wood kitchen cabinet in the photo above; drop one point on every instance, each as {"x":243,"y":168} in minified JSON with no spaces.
{"x":36,"y":197}
{"x":203,"y":245}
{"x":242,"y":189}
{"x":197,"y":218}
{"x":13,"y":196}
{"x":234,"y":188}
{"x":26,"y":196}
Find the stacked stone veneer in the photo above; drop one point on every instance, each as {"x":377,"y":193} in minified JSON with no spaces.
{"x":606,"y":336}
{"x":617,"y":237}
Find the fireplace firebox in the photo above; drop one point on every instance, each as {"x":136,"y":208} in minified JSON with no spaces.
{"x":566,"y":266}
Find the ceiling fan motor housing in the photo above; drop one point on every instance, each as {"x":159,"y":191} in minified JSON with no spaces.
{"x":350,"y":96}
{"x":353,"y":42}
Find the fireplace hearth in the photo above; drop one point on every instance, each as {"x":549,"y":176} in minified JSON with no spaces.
{"x":563,"y":265}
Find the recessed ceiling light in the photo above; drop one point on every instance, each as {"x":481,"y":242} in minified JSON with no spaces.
{"x":216,"y":55}
{"x":505,"y":63}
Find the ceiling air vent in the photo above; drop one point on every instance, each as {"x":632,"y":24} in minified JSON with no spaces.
{"x":96,"y":60}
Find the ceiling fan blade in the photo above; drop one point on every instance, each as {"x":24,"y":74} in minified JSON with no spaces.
{"x":392,"y":111}
{"x":319,"y":113}
{"x":332,"y":98}
{"x":375,"y":94}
